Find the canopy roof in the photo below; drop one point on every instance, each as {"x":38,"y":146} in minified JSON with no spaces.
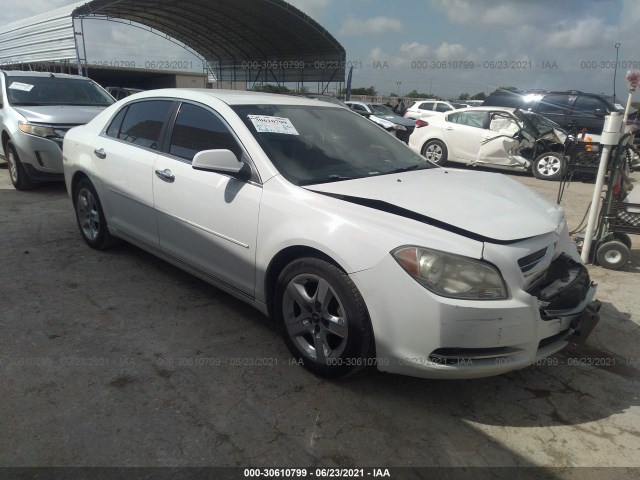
{"x":242,"y":39}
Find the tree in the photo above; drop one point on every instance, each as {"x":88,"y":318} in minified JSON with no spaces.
{"x":464,"y":96}
{"x":416,"y":94}
{"x":479,"y":96}
{"x":269,"y":88}
{"x":507,"y":89}
{"x":364,"y":91}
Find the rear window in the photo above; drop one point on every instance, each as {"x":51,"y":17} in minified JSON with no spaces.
{"x":34,"y":91}
{"x":512,"y":100}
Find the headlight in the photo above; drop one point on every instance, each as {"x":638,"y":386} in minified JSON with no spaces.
{"x":400,"y":127}
{"x":37,"y":130}
{"x":451,"y":275}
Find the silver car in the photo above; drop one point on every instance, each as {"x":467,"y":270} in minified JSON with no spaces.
{"x":36,"y":110}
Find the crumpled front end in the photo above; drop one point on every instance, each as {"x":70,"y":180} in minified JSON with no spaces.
{"x":550,"y":302}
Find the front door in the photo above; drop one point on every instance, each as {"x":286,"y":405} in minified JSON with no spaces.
{"x":205,"y":219}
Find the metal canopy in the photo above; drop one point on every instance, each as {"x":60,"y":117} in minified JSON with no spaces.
{"x":241,"y":40}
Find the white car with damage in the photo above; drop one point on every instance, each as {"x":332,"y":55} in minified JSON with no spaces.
{"x":363,"y":252}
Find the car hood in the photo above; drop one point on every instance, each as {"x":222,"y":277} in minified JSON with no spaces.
{"x":60,"y":114}
{"x":484,"y":206}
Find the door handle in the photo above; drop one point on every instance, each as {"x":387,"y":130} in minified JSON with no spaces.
{"x":100,"y":153}
{"x":165,"y":175}
{"x":448,"y":128}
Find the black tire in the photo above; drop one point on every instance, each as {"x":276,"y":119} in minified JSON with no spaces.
{"x":613,"y":255}
{"x":90,"y":216}
{"x":548,"y":166}
{"x":624,"y":238}
{"x":19,"y":177}
{"x":347,"y":341}
{"x":435,"y":151}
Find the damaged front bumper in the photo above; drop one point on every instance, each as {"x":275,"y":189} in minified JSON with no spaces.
{"x":436,"y":337}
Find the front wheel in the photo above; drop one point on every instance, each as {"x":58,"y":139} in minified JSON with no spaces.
{"x":548,"y":166}
{"x":19,"y":177}
{"x":323,"y":317}
{"x":435,"y":151}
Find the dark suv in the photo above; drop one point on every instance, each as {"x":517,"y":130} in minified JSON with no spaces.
{"x":570,"y":109}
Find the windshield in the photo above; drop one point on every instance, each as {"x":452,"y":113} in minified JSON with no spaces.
{"x":32,"y":91}
{"x":381,"y":110}
{"x":325,"y":144}
{"x":617,"y":105}
{"x":542,"y":124}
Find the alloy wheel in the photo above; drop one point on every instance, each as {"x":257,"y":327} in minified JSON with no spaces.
{"x":88,"y":215}
{"x":549,"y":165}
{"x":13,"y":166}
{"x":314,"y":318}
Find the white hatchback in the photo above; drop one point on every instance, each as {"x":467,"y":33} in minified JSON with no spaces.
{"x":363,"y":252}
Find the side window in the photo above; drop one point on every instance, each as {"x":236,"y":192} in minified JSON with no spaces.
{"x":442,"y":107}
{"x":360,"y":108}
{"x":143,"y":123}
{"x":472,"y":119}
{"x":454,"y":117}
{"x":585,"y":106}
{"x":197,"y":129}
{"x":553,"y":104}
{"x":426,"y":106}
{"x":114,"y":127}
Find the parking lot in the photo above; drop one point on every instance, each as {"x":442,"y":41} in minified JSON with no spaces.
{"x":116,"y":358}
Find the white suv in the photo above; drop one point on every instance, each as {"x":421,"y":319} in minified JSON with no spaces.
{"x":427,"y":108}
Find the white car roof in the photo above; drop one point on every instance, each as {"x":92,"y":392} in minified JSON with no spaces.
{"x":233,"y":97}
{"x":483,"y":109}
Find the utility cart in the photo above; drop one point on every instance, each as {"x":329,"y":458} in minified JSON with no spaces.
{"x":619,"y":213}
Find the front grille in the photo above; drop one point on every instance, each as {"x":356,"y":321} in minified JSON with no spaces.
{"x":564,"y":285}
{"x":61,"y":131}
{"x":452,"y":356}
{"x":530,"y":261}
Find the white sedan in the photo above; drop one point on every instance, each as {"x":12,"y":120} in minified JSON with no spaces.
{"x":498,"y":137}
{"x":364,"y":253}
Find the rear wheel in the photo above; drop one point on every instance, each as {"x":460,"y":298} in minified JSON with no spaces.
{"x":436,"y":151}
{"x":613,"y":255}
{"x":324,"y":319}
{"x":548,"y":166}
{"x":90,"y":216}
{"x":19,"y":177}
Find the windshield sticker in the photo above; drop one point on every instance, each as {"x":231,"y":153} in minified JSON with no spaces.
{"x":25,"y":87}
{"x":266,"y":124}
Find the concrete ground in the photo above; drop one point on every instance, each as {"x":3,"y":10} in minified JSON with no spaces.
{"x":118,"y":359}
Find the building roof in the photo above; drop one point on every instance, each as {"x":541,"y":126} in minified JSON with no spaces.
{"x":243,"y":39}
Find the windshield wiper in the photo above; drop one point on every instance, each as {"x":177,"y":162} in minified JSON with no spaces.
{"x":329,"y":179}
{"x":409,"y":168}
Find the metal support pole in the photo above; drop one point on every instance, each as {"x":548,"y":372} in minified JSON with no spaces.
{"x":611,"y":134}
{"x":595,"y":203}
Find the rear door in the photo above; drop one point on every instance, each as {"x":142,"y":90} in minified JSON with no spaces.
{"x":206,"y":220}
{"x":583,"y":113}
{"x":124,"y":157}
{"x":556,"y":108}
{"x":464,"y":132}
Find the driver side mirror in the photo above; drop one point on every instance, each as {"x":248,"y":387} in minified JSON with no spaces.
{"x":364,"y":114}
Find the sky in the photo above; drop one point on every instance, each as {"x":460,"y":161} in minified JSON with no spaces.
{"x":442,"y":47}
